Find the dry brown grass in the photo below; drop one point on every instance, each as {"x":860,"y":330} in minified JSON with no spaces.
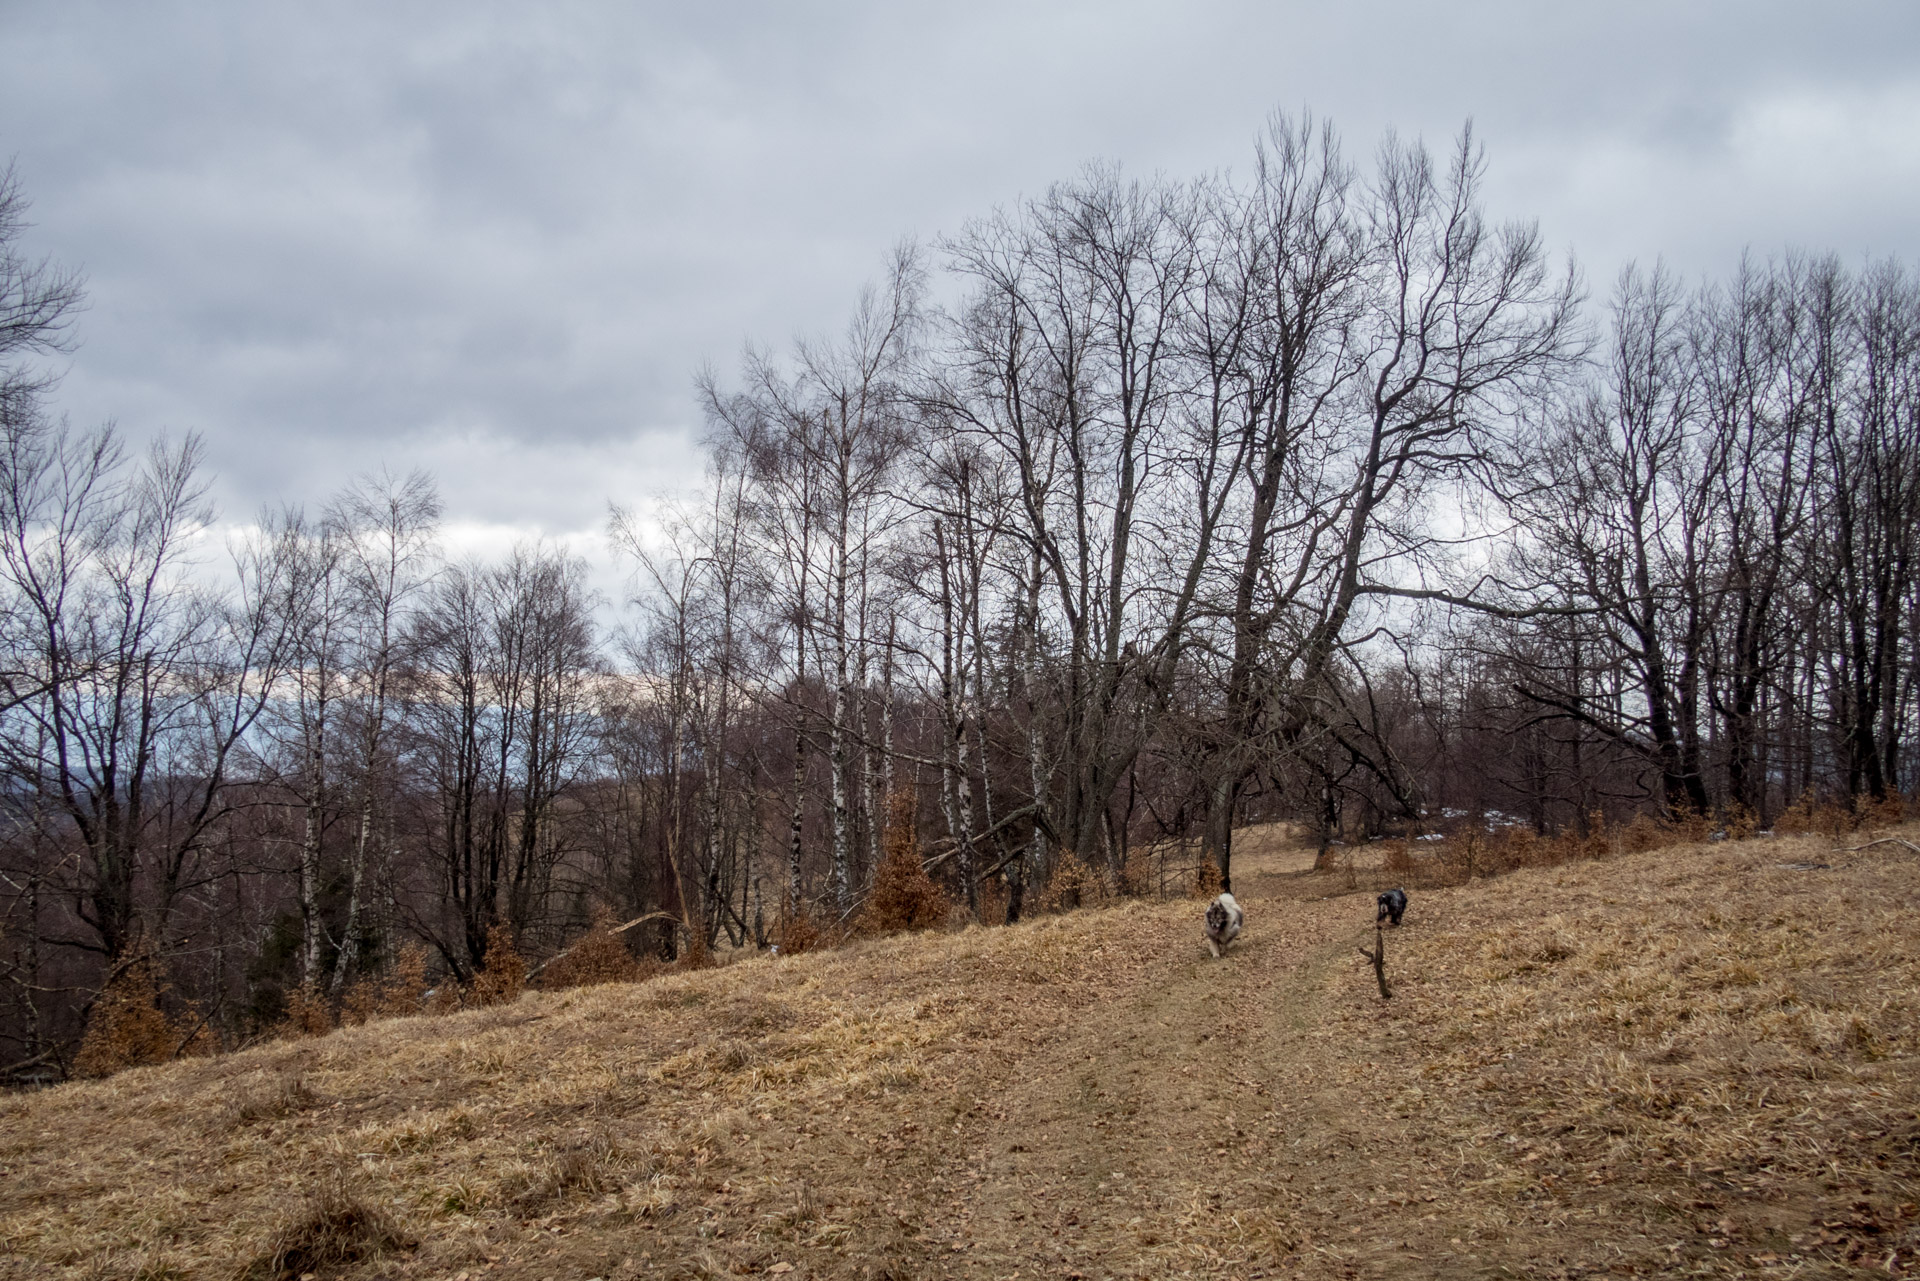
{"x":618,"y":1104}
{"x":274,"y":1100}
{"x":1720,"y":1040}
{"x":1686,"y":1060}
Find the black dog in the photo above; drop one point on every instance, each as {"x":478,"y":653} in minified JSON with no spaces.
{"x":1393,"y":904}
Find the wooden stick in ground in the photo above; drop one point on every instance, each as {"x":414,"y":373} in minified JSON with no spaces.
{"x":1379,"y":958}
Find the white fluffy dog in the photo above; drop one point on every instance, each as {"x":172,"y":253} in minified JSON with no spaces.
{"x":1224,"y":921}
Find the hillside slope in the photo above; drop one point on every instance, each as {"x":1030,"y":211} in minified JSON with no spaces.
{"x":1690,"y":1061}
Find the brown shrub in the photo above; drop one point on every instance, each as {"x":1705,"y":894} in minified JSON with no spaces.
{"x":1835,"y":820}
{"x":1513,"y":848}
{"x":1690,"y":827}
{"x":1643,"y":834}
{"x":600,"y":956}
{"x":404,"y":991}
{"x":1074,"y":884}
{"x":1796,"y":818}
{"x":798,"y":930}
{"x":1887,"y":812}
{"x":1572,"y":847}
{"x":398,"y":993}
{"x":1472,"y":852}
{"x":1398,"y":864}
{"x":993,"y":900}
{"x":505,"y":976}
{"x":1465,"y":856}
{"x":1812,"y":814}
{"x":360,"y":1003}
{"x":1206,"y":878}
{"x":695,"y":955}
{"x":904,"y":897}
{"x":127,"y":1028}
{"x":309,"y":1013}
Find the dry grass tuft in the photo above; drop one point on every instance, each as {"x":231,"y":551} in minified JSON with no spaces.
{"x":285,"y":1097}
{"x":589,"y":1168}
{"x":336,"y":1229}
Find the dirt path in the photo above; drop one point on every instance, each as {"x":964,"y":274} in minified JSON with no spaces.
{"x":1203,"y":1124}
{"x":1145,"y":1142}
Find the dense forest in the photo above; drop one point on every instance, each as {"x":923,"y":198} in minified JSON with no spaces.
{"x":1124,"y":517}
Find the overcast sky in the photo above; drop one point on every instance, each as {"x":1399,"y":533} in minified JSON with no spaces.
{"x":498,"y":241}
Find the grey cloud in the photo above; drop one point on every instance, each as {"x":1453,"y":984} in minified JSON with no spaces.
{"x":466,"y":234}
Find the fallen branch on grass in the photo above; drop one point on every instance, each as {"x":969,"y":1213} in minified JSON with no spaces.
{"x":23,"y":1064}
{"x":1885,"y":840}
{"x":618,"y":929}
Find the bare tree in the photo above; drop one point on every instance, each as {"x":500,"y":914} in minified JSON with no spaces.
{"x":1620,"y":511}
{"x":506,"y":657}
{"x":148,"y":683}
{"x":384,"y":526}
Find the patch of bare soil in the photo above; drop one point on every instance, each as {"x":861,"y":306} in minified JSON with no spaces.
{"x":1693,"y":1061}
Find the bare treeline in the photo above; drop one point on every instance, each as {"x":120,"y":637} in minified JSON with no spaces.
{"x":1312,"y":494}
